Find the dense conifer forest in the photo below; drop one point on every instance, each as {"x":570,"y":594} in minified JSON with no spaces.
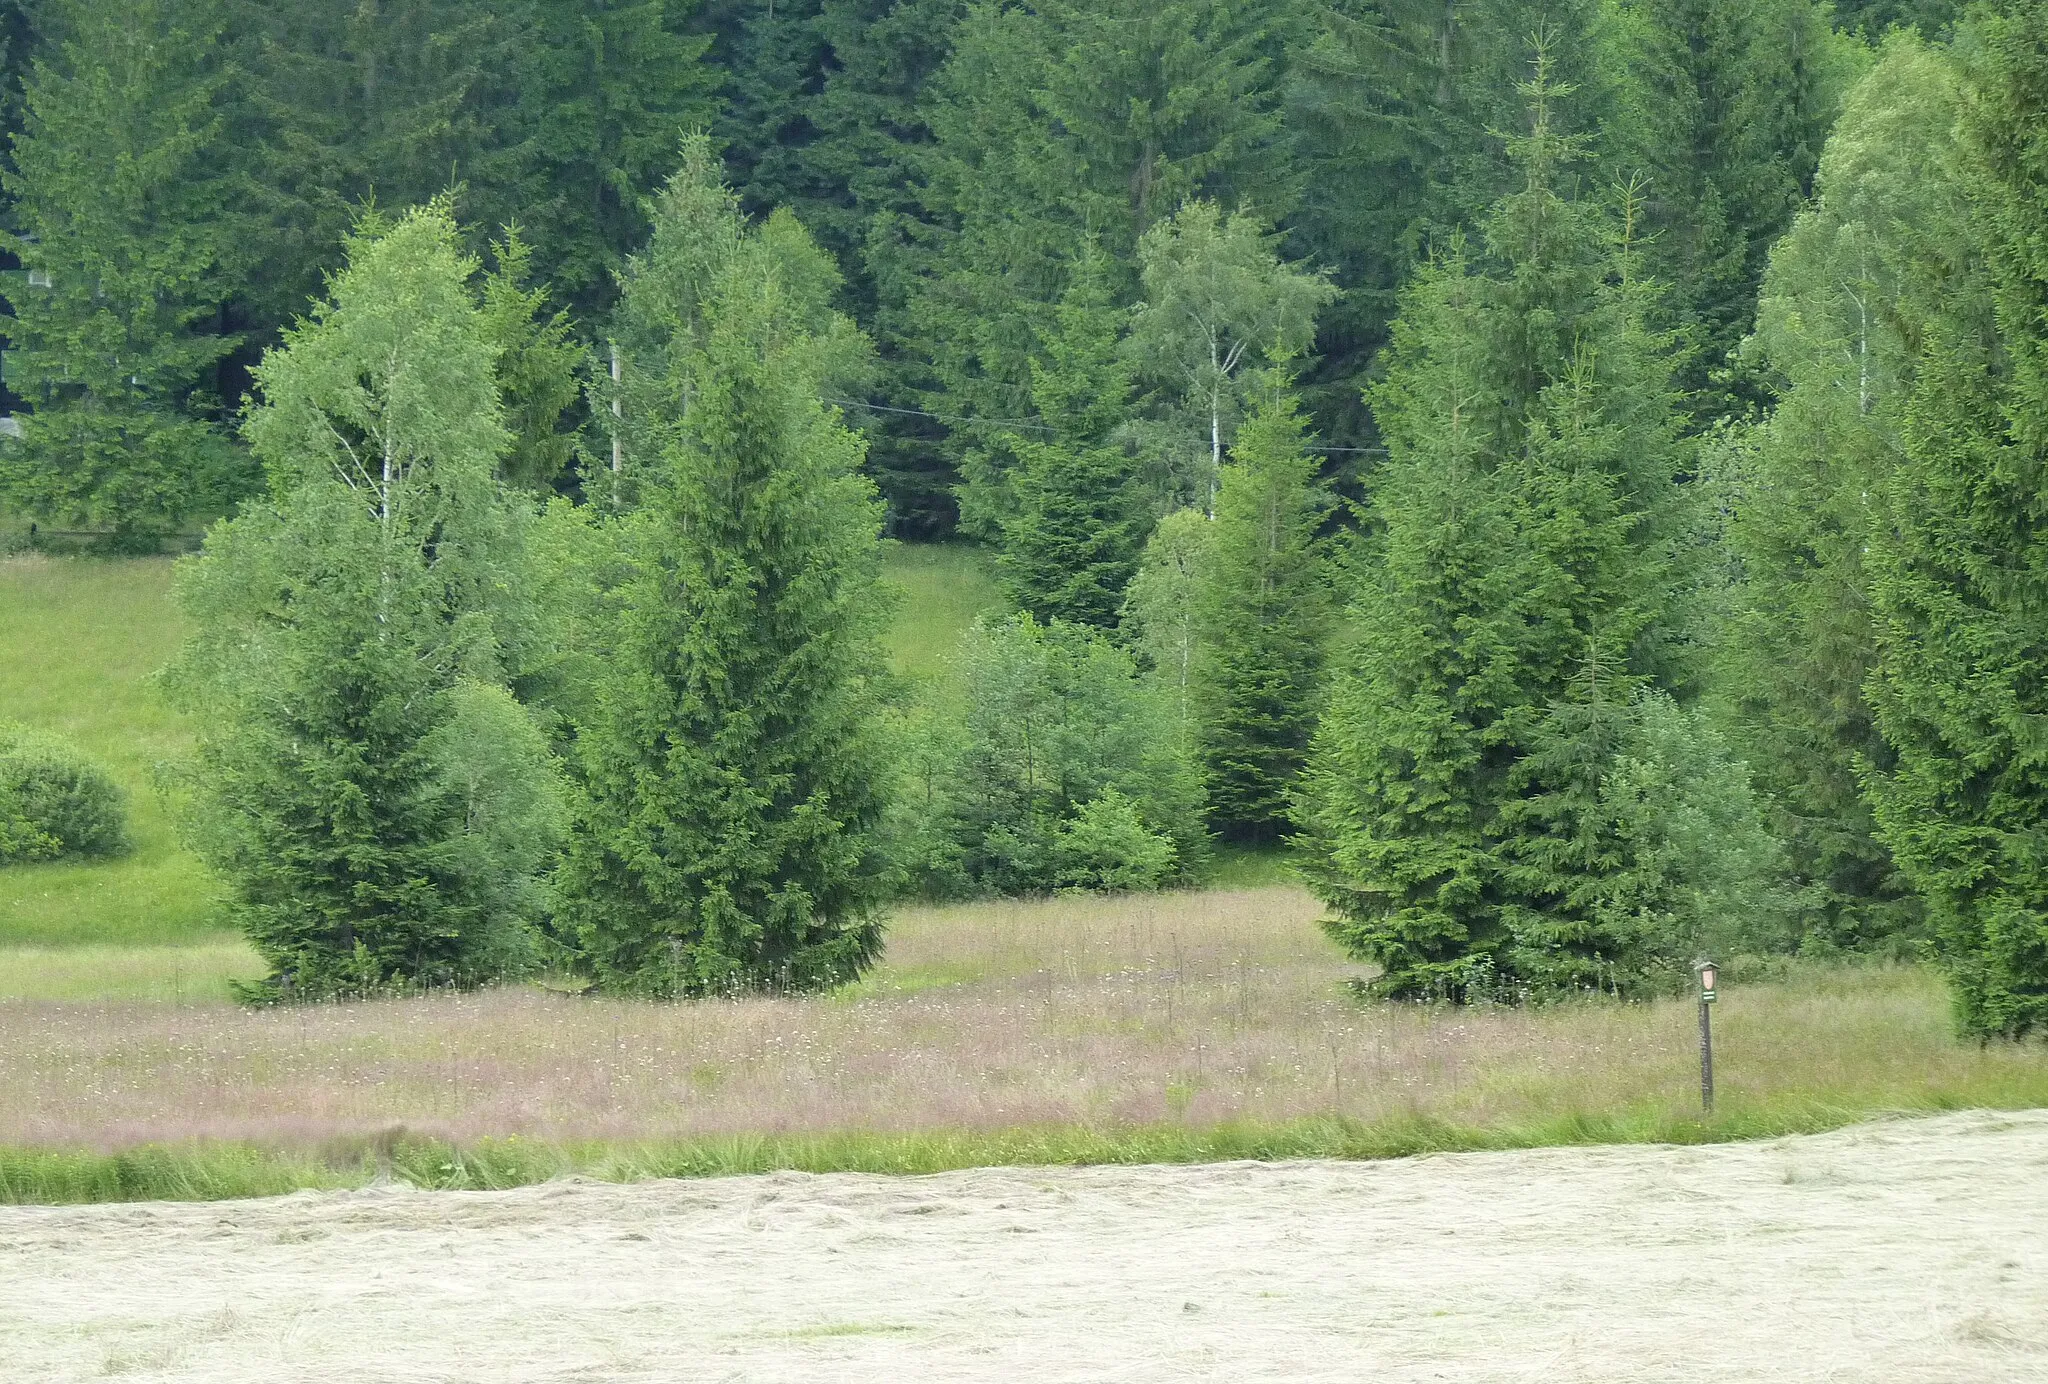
{"x":1569,"y":471}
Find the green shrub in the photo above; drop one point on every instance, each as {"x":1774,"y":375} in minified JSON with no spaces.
{"x":1060,"y":768}
{"x":54,"y":801}
{"x":1106,"y":846}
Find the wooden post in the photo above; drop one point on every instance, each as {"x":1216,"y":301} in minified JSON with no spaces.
{"x":1706,"y":1057}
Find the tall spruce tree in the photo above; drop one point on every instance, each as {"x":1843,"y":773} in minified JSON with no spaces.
{"x":604,"y":89}
{"x":1392,"y":112}
{"x":1076,"y":522}
{"x":386,"y":102}
{"x":726,"y":836}
{"x":1522,"y":597}
{"x":1262,"y":622}
{"x":1844,"y":307}
{"x":1960,"y":573}
{"x":1738,"y":96}
{"x":18,"y":43}
{"x":120,"y":224}
{"x":823,"y":116}
{"x":537,"y":361}
{"x":375,"y":803}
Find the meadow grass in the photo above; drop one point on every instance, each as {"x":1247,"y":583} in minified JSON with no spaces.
{"x":196,"y":972}
{"x":1168,"y":1028}
{"x":942,"y":587}
{"x":79,"y":640}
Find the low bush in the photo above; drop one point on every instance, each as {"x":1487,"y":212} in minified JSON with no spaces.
{"x":54,"y":801}
{"x":1106,"y":847}
{"x":1059,"y":769}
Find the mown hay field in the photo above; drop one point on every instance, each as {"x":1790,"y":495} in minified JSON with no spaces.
{"x":1895,"y":1252}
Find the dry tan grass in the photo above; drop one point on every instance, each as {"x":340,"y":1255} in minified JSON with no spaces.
{"x":1194,"y":1010}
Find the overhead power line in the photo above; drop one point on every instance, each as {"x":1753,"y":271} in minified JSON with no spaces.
{"x":1032,"y":427}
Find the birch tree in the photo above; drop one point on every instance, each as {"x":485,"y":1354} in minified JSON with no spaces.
{"x":1219,"y":304}
{"x":1849,"y":292}
{"x":376,"y":805}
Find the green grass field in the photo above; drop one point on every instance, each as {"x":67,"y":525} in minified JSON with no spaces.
{"x":80,"y":638}
{"x":79,"y":641}
{"x":942,"y":587}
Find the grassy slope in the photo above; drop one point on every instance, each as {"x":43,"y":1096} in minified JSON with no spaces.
{"x":79,"y":638}
{"x":942,"y":587}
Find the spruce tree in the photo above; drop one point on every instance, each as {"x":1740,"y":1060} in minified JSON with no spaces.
{"x":1076,"y":524}
{"x":375,"y":803}
{"x":120,"y":225}
{"x":1873,"y":18}
{"x":824,"y":117}
{"x":1957,"y":563}
{"x":1738,"y":96}
{"x":727,"y":829}
{"x":538,"y":356}
{"x":1262,"y":624}
{"x":1844,"y":304}
{"x":604,"y":88}
{"x":1392,"y":111}
{"x":661,"y":314}
{"x":383,"y":104}
{"x":1521,"y":597}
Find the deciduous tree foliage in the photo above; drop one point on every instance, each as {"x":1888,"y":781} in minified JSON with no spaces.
{"x":1162,"y":612}
{"x":725,"y":836}
{"x":376,"y":805}
{"x":54,"y":801}
{"x":1845,"y":307}
{"x":1065,"y":770}
{"x":1957,"y":566}
{"x":1218,"y":307}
